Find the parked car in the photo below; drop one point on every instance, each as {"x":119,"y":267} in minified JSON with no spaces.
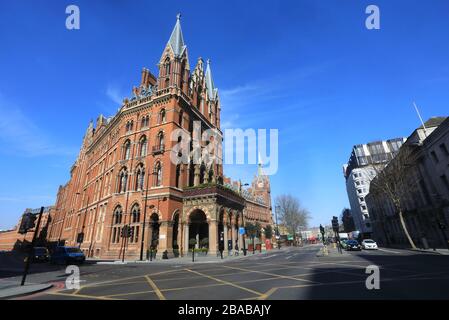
{"x":353,"y":245}
{"x":68,"y":255}
{"x":369,"y":244}
{"x":40,"y":254}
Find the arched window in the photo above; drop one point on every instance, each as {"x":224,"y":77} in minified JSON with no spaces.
{"x":167,"y":66}
{"x":178,"y":175}
{"x":127,"y":150}
{"x":116,"y":221}
{"x":123,"y":180}
{"x":160,"y":140}
{"x":135,"y":214}
{"x":140,"y":177}
{"x":211,"y":175}
{"x":143,"y":146}
{"x":181,"y":115}
{"x":183,"y":68}
{"x":158,"y":174}
{"x":162,"y":116}
{"x":135,"y":218}
{"x":202,"y":173}
{"x":145,"y":122}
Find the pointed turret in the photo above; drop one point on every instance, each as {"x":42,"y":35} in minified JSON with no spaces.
{"x":174,"y":65}
{"x":211,"y":90}
{"x":176,"y":40}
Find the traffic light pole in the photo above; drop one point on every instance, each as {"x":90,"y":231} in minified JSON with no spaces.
{"x":30,"y":253}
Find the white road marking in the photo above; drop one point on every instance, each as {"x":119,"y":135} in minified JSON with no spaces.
{"x":270,"y":256}
{"x":288,"y":257}
{"x":389,"y":251}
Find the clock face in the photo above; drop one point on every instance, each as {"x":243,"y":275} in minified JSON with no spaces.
{"x":260,"y":184}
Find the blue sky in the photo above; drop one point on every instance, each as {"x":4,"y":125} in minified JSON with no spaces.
{"x":308,"y":68}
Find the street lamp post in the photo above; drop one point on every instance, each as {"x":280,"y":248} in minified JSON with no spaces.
{"x":276,"y":209}
{"x":144,"y":217}
{"x":243,"y":218}
{"x":80,"y":237}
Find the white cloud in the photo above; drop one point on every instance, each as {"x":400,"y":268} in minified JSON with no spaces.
{"x":114,"y":93}
{"x":19,"y":134}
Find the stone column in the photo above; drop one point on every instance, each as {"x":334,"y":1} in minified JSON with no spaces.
{"x":240,"y":236}
{"x":196,"y":179}
{"x":185,"y":245}
{"x":233,"y":235}
{"x":165,"y":239}
{"x":225,"y":231}
{"x":179,"y":237}
{"x":213,"y":237}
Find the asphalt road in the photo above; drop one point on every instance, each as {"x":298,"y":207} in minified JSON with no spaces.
{"x":291,"y":273}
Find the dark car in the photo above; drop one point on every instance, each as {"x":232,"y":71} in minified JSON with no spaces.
{"x":40,"y":254}
{"x":353,"y":245}
{"x":68,"y":255}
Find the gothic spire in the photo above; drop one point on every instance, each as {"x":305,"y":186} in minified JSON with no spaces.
{"x":211,"y":90}
{"x":176,"y":40}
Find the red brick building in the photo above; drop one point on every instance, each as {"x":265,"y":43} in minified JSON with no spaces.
{"x":125,"y":174}
{"x":12,"y":239}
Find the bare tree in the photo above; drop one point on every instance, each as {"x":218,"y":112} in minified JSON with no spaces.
{"x":395,"y":182}
{"x":291,"y":213}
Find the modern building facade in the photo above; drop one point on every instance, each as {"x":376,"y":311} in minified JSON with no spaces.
{"x":426,"y":194}
{"x":125,"y":175}
{"x":358,"y":173}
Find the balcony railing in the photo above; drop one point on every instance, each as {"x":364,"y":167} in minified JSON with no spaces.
{"x":158,"y":149}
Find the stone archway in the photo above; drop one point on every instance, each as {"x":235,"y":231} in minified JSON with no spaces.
{"x":198,"y":230}
{"x":176,"y":234}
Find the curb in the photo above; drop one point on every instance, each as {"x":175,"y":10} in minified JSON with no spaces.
{"x":428,"y":252}
{"x":31,"y":290}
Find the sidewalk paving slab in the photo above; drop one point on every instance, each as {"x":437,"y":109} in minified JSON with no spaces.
{"x":17,"y":291}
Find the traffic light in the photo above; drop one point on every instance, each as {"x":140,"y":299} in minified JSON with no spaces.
{"x":28,"y":222}
{"x":127,"y":232}
{"x":335,"y":224}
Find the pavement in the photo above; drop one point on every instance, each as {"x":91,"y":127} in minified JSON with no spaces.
{"x":14,"y":290}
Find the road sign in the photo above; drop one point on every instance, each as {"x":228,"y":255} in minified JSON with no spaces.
{"x":242,"y":230}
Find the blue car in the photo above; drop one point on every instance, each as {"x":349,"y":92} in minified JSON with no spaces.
{"x":68,"y":255}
